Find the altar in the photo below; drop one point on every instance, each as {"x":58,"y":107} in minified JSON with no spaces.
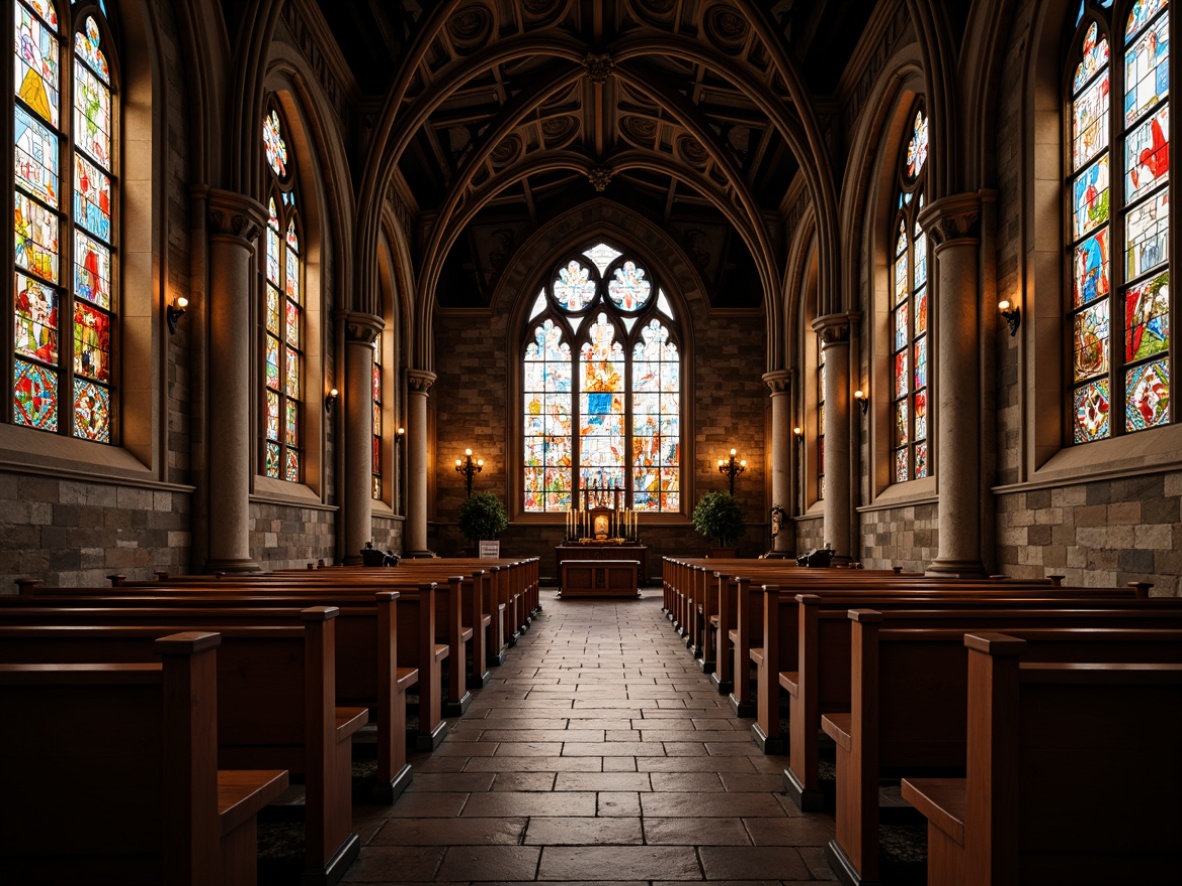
{"x":599,"y":551}
{"x":601,"y":531}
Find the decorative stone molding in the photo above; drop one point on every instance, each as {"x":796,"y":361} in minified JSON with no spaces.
{"x":230,"y":214}
{"x":419,"y":381}
{"x":599,"y":67}
{"x":360,"y":327}
{"x":780,"y":381}
{"x":600,"y":177}
{"x":951,"y":218}
{"x":835,"y":328}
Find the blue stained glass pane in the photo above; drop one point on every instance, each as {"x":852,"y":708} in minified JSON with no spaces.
{"x":902,"y":327}
{"x":35,"y":401}
{"x":1147,"y":70}
{"x":628,"y":288}
{"x":921,"y":362}
{"x":36,"y":160}
{"x":1091,"y":411}
{"x":1147,"y":235}
{"x":1091,"y":268}
{"x":1147,"y":155}
{"x":92,"y":198}
{"x":1091,"y":204}
{"x":574,"y":287}
{"x":1147,"y":318}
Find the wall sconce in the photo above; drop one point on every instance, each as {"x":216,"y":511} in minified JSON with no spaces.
{"x":862,"y":400}
{"x":330,"y":400}
{"x":1012,"y":315}
{"x":732,"y":468}
{"x":174,"y":312}
{"x":469,"y":468}
{"x":398,"y":435}
{"x":798,"y":435}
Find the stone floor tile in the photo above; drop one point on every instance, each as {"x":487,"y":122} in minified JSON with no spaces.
{"x":612,"y":749}
{"x":752,"y":863}
{"x":695,"y":832}
{"x":814,"y":857}
{"x":618,"y":764}
{"x":450,"y":832}
{"x":451,"y":781}
{"x":543,"y":736}
{"x":523,"y":781}
{"x":474,"y":863}
{"x":603,"y":781}
{"x":395,"y":864}
{"x":584,"y":831}
{"x":682,"y":782}
{"x":692,"y":764}
{"x":464,"y":749}
{"x":430,"y":804}
{"x":534,"y":764}
{"x":674,"y":863}
{"x":527,"y":803}
{"x":755,"y":781}
{"x":529,"y":749}
{"x":614,"y":803}
{"x":720,"y":805}
{"x":803,"y":830}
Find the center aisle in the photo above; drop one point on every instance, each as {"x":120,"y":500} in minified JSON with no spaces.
{"x":598,"y":752}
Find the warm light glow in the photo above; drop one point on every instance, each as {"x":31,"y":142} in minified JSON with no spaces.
{"x":182,"y":302}
{"x":734,"y":452}
{"x":480,"y":462}
{"x":742,"y":462}
{"x":401,"y":431}
{"x":333,"y":393}
{"x":721,"y":462}
{"x":858,"y":395}
{"x":1003,"y":305}
{"x":467,"y":452}
{"x":459,"y":461}
{"x":797,"y":431}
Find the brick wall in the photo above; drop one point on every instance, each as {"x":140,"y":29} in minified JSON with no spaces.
{"x":283,"y":537}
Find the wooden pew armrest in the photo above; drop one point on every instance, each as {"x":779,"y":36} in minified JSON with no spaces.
{"x":790,"y":680}
{"x":714,"y":621}
{"x":242,"y":793}
{"x":466,"y":634}
{"x":838,"y":727}
{"x":406,"y":678}
{"x":441,"y":651}
{"x":486,"y":621}
{"x":733,"y":635}
{"x":942,"y":801}
{"x":349,"y":720}
{"x":756,"y":653}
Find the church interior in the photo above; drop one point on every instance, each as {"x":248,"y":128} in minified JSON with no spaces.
{"x":653,"y":301}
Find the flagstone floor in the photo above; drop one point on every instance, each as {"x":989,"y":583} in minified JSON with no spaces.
{"x":597,"y":753}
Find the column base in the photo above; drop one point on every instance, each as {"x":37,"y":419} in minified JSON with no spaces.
{"x":955,"y":568}
{"x":233,"y":566}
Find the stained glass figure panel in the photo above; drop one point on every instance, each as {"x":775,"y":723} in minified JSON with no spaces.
{"x":272,"y":310}
{"x":1091,"y":341}
{"x":92,"y":411}
{"x":92,"y":115}
{"x":921,"y":311}
{"x":1148,"y":389}
{"x":574,"y":287}
{"x":36,"y":320}
{"x":902,"y":423}
{"x":1147,"y":69}
{"x":376,"y":490}
{"x":1091,"y":268}
{"x":92,"y":198}
{"x":1089,"y":132}
{"x":921,"y":414}
{"x":921,"y":257}
{"x":1147,"y":235}
{"x":87,"y":45}
{"x":901,"y":374}
{"x":902,"y":280}
{"x":1095,"y":56}
{"x":1091,"y":205}
{"x":602,"y":255}
{"x":628,"y":287}
{"x":274,"y":460}
{"x":36,"y":238}
{"x":291,"y":427}
{"x":921,"y":460}
{"x":92,"y":270}
{"x":271,"y":363}
{"x":902,"y":327}
{"x":917,"y":147}
{"x":291,"y":279}
{"x":38,"y":78}
{"x":35,"y":389}
{"x":274,"y":147}
{"x":902,"y":469}
{"x":272,"y":254}
{"x":92,"y":342}
{"x":921,"y":362}
{"x":1147,"y":155}
{"x":1147,"y":318}
{"x":272,"y":417}
{"x":36,"y":157}
{"x":292,"y":466}
{"x":1091,"y":411}
{"x":293,"y":324}
{"x":292,"y":375}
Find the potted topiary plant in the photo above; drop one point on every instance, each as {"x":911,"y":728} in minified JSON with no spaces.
{"x":482,"y":517}
{"x":718,"y":516}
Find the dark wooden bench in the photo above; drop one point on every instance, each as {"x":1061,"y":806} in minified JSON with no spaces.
{"x":599,"y":578}
{"x":908,"y":701}
{"x":109,"y":774}
{"x":1072,"y":773}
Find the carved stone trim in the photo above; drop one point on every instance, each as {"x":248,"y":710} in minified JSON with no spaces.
{"x":600,"y":177}
{"x":359,"y":327}
{"x":951,"y":218}
{"x":835,"y":328}
{"x":419,"y":381}
{"x":599,"y":67}
{"x":780,"y":381}
{"x":231,"y":214}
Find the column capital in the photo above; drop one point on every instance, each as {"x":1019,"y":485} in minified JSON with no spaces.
{"x":361,"y":327}
{"x":780,"y":381}
{"x":952,"y":218}
{"x":419,"y":380}
{"x":234,"y":215}
{"x":835,"y":328}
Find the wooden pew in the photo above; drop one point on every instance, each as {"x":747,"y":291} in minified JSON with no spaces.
{"x":276,"y":706}
{"x":1031,"y":809}
{"x":908,"y":708}
{"x":109,"y":774}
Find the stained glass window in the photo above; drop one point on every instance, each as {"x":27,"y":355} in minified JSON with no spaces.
{"x":376,"y":385}
{"x":65,"y":250}
{"x":283,"y":310}
{"x":908,"y":332}
{"x":602,"y":371}
{"x":1119,"y":308}
{"x":820,"y":420}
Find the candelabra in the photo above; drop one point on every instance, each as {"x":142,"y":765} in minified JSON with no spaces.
{"x":732,"y":468}
{"x":469,"y":468}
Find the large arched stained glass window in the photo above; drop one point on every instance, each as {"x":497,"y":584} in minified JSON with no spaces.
{"x":66,"y":249}
{"x":376,"y":392}
{"x":283,"y":347}
{"x":1118,"y":84}
{"x":908,"y":328}
{"x":602,"y":387}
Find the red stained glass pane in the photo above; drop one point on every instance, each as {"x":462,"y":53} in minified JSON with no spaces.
{"x":92,"y":411}
{"x":92,"y":198}
{"x":272,"y":418}
{"x":36,"y":320}
{"x":38,"y":77}
{"x":35,"y":398}
{"x":1092,"y":403}
{"x":293,"y":324}
{"x":292,"y":466}
{"x":92,"y":342}
{"x":92,"y":270}
{"x":1148,"y":388}
{"x":273,"y":460}
{"x":36,"y":231}
{"x":1147,"y":318}
{"x":292,"y":375}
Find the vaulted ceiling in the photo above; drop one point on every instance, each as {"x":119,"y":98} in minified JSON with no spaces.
{"x":521,"y":109}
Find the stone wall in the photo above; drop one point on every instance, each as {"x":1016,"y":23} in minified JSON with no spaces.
{"x":905,"y":536}
{"x":283,"y":537}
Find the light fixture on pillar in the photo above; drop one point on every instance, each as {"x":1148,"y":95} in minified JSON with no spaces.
{"x":862,"y":400}
{"x":469,"y":468}
{"x":174,"y":312}
{"x":732,"y":468}
{"x":798,"y":435}
{"x":330,"y":400}
{"x":1012,"y":314}
{"x":399,"y":435}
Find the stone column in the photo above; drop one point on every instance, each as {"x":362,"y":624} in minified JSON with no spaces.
{"x":834,"y":331}
{"x":951,"y":226}
{"x":234,"y":225}
{"x":780,"y":383}
{"x":361,"y":331}
{"x":418,"y":382}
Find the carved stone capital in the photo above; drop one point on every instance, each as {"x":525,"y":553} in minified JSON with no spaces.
{"x":600,"y":177}
{"x":835,"y":328}
{"x":780,"y":381}
{"x":599,"y":67}
{"x":359,"y":327}
{"x":419,"y":381}
{"x":230,"y":214}
{"x":952,"y":218}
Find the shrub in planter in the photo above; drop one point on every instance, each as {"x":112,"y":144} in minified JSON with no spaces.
{"x":482,"y":517}
{"x":719,"y":516}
